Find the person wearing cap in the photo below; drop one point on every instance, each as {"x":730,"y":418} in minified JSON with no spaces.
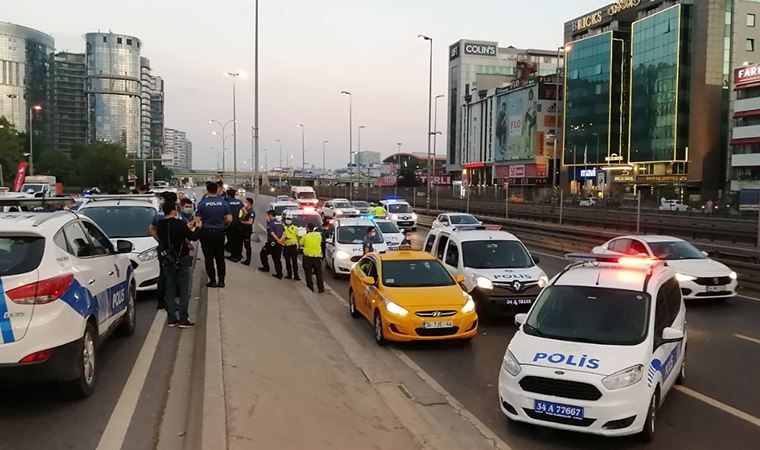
{"x":273,"y":246}
{"x":290,"y":250}
{"x":214,"y":213}
{"x":312,"y":257}
{"x":234,"y":235}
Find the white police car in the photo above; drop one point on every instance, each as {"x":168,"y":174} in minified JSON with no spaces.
{"x":392,"y":235}
{"x":401,"y":213}
{"x":500,"y":274}
{"x":344,"y":244}
{"x":63,"y":289}
{"x":600,"y":349}
{"x":128,"y":217}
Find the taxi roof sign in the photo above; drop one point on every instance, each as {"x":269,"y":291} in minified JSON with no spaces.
{"x":405,"y":248}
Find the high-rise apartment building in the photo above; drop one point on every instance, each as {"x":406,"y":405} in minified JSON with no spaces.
{"x":178,"y":150}
{"x":69,"y":106}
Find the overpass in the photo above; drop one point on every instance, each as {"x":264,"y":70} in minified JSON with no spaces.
{"x":243,"y":177}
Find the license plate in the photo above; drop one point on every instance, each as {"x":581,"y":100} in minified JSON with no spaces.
{"x":432,"y":325}
{"x":716,"y":288}
{"x":558,"y":410}
{"x":518,"y":301}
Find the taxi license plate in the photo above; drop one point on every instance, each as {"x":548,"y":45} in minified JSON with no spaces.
{"x":715,"y":288}
{"x":558,"y":410}
{"x":518,"y":301}
{"x":433,"y":325}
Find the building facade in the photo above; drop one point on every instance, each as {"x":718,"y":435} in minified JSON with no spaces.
{"x":367,"y":158}
{"x":69,"y":112}
{"x":26,"y":78}
{"x":478,"y":66}
{"x":178,"y":150}
{"x":647,"y":93}
{"x":114,"y":90}
{"x":744,"y":123}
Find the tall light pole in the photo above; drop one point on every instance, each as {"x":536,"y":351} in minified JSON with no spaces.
{"x":435,"y":123}
{"x":223,"y":127}
{"x":256,"y":100}
{"x":430,"y":118}
{"x":324,"y":168}
{"x":32,"y":109}
{"x":234,"y":76}
{"x":303,"y":147}
{"x":359,"y":147}
{"x":350,"y":137}
{"x":561,"y":53}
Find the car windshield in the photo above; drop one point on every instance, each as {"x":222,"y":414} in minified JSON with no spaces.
{"x":342,"y":205}
{"x":20,"y":254}
{"x":355,"y":234}
{"x":306,"y":195}
{"x":496,"y":255}
{"x":387,"y":227}
{"x":464,"y":219}
{"x":399,"y":208}
{"x":360,"y":204}
{"x":590,"y":314}
{"x":675,"y":250}
{"x":415,"y":273}
{"x":278,"y":209}
{"x":301,"y":220}
{"x":122,"y":221}
{"x":32,"y":188}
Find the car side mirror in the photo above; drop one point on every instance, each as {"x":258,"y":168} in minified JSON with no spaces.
{"x":536,"y":259}
{"x":520,"y":319}
{"x":670,"y":334}
{"x":705,"y":254}
{"x":368,"y":280}
{"x":459,"y":278}
{"x":598,"y":250}
{"x":123,"y":246}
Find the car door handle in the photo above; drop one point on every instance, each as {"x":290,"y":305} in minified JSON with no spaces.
{"x":91,"y":282}
{"x":110,"y":274}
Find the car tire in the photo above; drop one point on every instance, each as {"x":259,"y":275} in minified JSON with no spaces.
{"x":648,"y":433}
{"x":84,"y":385}
{"x":377,"y":330}
{"x":129,"y":321}
{"x":352,"y":306}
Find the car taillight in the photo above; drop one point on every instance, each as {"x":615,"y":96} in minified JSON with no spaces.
{"x":41,"y":292}
{"x":37,"y":357}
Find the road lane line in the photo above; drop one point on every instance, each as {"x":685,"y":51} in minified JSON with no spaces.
{"x":720,"y":405}
{"x":747,"y":338}
{"x":118,"y":424}
{"x":754,"y":299}
{"x":551,"y":256}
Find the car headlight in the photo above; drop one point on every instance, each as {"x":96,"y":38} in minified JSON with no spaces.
{"x":732,"y":275}
{"x":469,"y":306}
{"x":624,"y":378}
{"x":340,"y":254}
{"x":414,"y":216}
{"x":148,"y":255}
{"x":543,"y":280}
{"x":484,"y":283}
{"x":511,"y":365}
{"x":337,"y":213}
{"x":394,"y":216}
{"x":394,"y":308}
{"x":683,"y":277}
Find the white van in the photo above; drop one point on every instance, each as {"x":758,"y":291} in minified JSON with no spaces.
{"x":305,"y":196}
{"x":600,"y":349}
{"x":500,"y":273}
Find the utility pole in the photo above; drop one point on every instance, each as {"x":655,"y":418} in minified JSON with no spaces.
{"x":430,"y":119}
{"x":256,"y":101}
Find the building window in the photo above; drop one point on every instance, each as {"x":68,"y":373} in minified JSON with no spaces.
{"x":750,"y":20}
{"x":118,"y":40}
{"x":105,"y":38}
{"x":750,"y":45}
{"x":129,"y":41}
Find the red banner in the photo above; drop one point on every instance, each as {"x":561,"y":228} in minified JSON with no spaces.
{"x":20,"y":175}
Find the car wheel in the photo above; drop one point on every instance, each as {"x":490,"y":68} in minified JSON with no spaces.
{"x":84,"y":385}
{"x":352,"y":306}
{"x":129,"y":322}
{"x":378,"y":328}
{"x":647,"y":434}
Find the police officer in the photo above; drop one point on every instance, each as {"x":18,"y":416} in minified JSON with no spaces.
{"x":407,"y":238}
{"x":325,"y":234}
{"x":214,"y":212}
{"x":291,"y":249}
{"x":246,"y":228}
{"x":234,"y":233}
{"x":275,"y":239}
{"x":379,"y":211}
{"x":367,"y":246}
{"x":312,"y":257}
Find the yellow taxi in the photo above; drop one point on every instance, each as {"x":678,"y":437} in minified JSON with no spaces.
{"x":409,"y":296}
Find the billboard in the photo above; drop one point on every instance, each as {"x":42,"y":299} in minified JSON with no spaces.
{"x":521,"y":115}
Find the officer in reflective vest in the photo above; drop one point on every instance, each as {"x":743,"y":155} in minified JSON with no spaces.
{"x":312,"y":257}
{"x":291,"y":249}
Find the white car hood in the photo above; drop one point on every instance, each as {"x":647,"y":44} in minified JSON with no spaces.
{"x":700,"y":267}
{"x":139,"y":244}
{"x":602,"y":360}
{"x":508,"y":275}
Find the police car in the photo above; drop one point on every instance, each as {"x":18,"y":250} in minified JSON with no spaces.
{"x":64,"y":287}
{"x":501,"y":275}
{"x":281,"y":206}
{"x":600,"y":349}
{"x":401,"y":213}
{"x":128,"y":217}
{"x":344,"y":244}
{"x":392,"y":235}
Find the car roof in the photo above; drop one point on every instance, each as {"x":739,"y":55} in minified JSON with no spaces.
{"x":651,"y":238}
{"x":348,"y":222}
{"x":300,"y":212}
{"x":35,"y":222}
{"x":285,"y":203}
{"x":612,"y":276}
{"x":477,"y":234}
{"x":339,"y":200}
{"x":112,"y":203}
{"x":457,"y":214}
{"x":410,"y":255}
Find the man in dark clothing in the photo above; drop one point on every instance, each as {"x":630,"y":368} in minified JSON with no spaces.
{"x":234,"y":233}
{"x":213,"y":212}
{"x":325,"y":234}
{"x":407,"y":238}
{"x":164,"y":198}
{"x":175,"y":259}
{"x":367,"y":246}
{"x":275,"y":241}
{"x":246,"y":228}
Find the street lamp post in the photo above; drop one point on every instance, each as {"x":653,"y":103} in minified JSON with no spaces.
{"x":303,"y":151}
{"x":359,"y":146}
{"x":430,"y":117}
{"x":223,"y":127}
{"x":324,"y":168}
{"x":31,"y":136}
{"x":556,"y":115}
{"x":234,"y":76}
{"x":280,"y":142}
{"x":256,"y":101}
{"x":350,"y":137}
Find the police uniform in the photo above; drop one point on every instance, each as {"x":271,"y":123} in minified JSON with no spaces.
{"x":312,"y":258}
{"x":367,"y":246}
{"x":234,"y":231}
{"x":291,"y":251}
{"x":212,"y":211}
{"x":273,"y":248}
{"x":246,"y":231}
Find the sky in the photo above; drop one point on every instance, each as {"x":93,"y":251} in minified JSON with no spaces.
{"x":309,"y":51}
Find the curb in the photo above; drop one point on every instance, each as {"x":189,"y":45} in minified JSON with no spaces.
{"x":214,"y":409}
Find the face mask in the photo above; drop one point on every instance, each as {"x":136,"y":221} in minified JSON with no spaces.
{"x":188,"y":210}
{"x":288,"y":221}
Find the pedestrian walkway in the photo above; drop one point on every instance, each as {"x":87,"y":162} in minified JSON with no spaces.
{"x":287,"y":382}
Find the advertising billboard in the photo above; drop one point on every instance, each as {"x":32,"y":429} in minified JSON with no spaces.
{"x":516,"y":125}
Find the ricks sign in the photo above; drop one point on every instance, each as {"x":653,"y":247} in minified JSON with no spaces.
{"x":597,"y":16}
{"x":747,"y":74}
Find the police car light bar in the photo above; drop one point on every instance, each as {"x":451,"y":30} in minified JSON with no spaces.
{"x":37,"y":202}
{"x":629,"y":261}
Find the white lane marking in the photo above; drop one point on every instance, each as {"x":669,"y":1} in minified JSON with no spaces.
{"x":747,"y":338}
{"x":719,"y":405}
{"x":754,"y":299}
{"x":116,"y":429}
{"x":550,"y":255}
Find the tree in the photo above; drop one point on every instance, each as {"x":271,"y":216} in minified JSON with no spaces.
{"x":11,"y":150}
{"x":102,"y":164}
{"x":162,"y":173}
{"x":58,"y":164}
